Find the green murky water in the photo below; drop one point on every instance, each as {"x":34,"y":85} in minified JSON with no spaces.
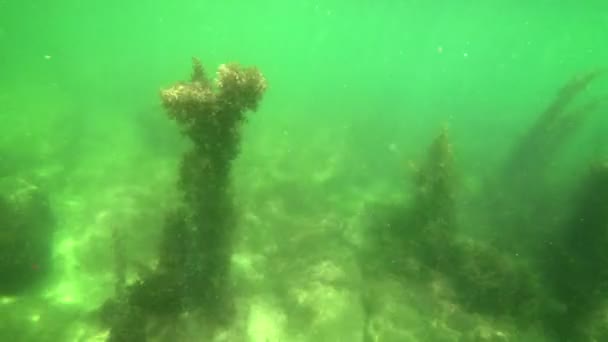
{"x":415,"y":171}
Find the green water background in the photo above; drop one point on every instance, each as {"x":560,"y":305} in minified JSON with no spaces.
{"x":370,"y":81}
{"x":382,"y":77}
{"x":401,"y":67}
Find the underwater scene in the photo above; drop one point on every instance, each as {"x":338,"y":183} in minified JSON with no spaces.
{"x":304,"y":170}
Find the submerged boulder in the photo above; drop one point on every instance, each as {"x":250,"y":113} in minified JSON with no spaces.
{"x":26,"y":228}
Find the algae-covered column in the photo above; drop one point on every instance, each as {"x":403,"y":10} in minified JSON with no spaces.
{"x":210,"y":114}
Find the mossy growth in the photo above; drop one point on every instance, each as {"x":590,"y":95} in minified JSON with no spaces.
{"x":578,"y":262}
{"x":26,"y":232}
{"x":196,"y":245}
{"x":429,"y":222}
{"x":421,"y":241}
{"x":210,"y":114}
{"x":420,"y":227}
{"x":434,"y":188}
{"x":552,"y":129}
{"x":408,"y":234}
{"x":489,"y":282}
{"x":524,"y":200}
{"x":162,"y":292}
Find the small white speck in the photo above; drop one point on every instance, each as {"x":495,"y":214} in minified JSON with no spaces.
{"x":465,"y":55}
{"x":47,"y":57}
